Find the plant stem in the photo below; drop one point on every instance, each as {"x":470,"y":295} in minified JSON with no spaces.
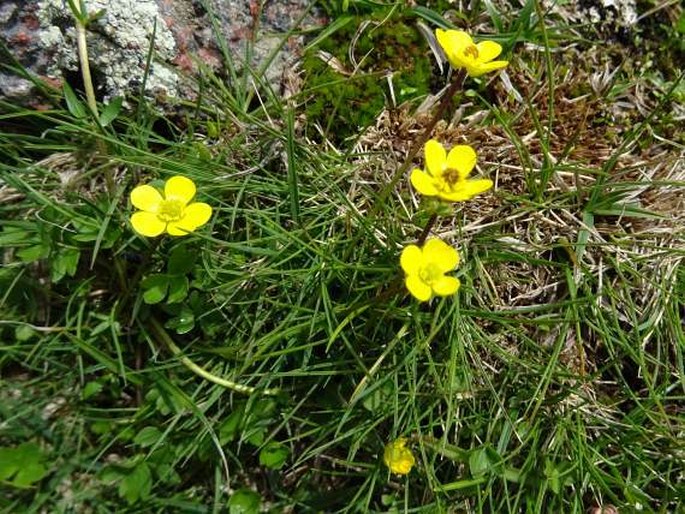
{"x":426,"y":230}
{"x":457,"y":83}
{"x":81,"y":19}
{"x":85,"y":66}
{"x":198,"y":370}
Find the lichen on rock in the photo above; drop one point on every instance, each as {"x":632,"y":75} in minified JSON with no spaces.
{"x":118,"y":44}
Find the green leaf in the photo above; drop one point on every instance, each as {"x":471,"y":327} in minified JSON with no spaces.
{"x":74,"y":105}
{"x":33,"y":253}
{"x":25,"y":463}
{"x":101,"y":427}
{"x":12,"y":236}
{"x":432,"y":17}
{"x":91,"y":389}
{"x":155,"y":288}
{"x":24,"y":333}
{"x":244,"y":501}
{"x":147,"y":436}
{"x":112,"y":474}
{"x":111,"y":111}
{"x":178,"y":288}
{"x":329,"y":30}
{"x":137,"y":484}
{"x":29,"y":473}
{"x":183,"y":323}
{"x":273,"y":455}
{"x":256,"y":436}
{"x":229,"y":428}
{"x":64,"y":263}
{"x":181,"y":260}
{"x":484,"y":460}
{"x":9,"y":463}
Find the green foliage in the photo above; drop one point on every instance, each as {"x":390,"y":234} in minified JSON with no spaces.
{"x":389,"y":45}
{"x":549,"y":384}
{"x":22,"y":466}
{"x":244,"y":501}
{"x":273,"y":455}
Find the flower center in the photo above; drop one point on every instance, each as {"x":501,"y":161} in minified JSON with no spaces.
{"x":430,"y":273}
{"x":471,"y":51}
{"x":451,"y":176}
{"x":170,"y":210}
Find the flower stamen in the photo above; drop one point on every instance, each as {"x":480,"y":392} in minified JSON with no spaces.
{"x":430,"y":273}
{"x":170,"y":210}
{"x":471,"y":51}
{"x":451,"y":176}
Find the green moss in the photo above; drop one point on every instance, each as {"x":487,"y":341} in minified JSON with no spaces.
{"x":342,"y":104}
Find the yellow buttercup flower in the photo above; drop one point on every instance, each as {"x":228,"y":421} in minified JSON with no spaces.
{"x":446,"y":175}
{"x":462,"y":52}
{"x":398,"y":457}
{"x":172,"y":212}
{"x":425,"y":269}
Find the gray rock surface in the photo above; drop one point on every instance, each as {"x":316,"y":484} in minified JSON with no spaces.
{"x":41,"y":37}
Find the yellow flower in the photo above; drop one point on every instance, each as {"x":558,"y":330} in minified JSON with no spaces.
{"x":446,"y":175}
{"x":397,"y":457}
{"x":425,"y":269}
{"x":172,"y":212}
{"x":462,"y":52}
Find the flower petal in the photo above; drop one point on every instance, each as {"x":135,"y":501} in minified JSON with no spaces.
{"x":436,"y":158}
{"x":418,"y":288}
{"x":477,"y":186}
{"x":147,"y":224}
{"x":411,"y":259}
{"x":453,"y":42}
{"x":146,"y":198}
{"x":455,"y":196}
{"x":467,"y":189}
{"x":488,"y":67}
{"x":423,"y":183}
{"x":488,"y":50}
{"x":398,"y":457}
{"x":462,"y":158}
{"x":197,"y":213}
{"x":179,"y":188}
{"x":446,"y":286}
{"x":440,"y":253}
{"x":194,"y":216}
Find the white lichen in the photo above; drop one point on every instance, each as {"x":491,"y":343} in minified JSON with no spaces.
{"x":118,"y":45}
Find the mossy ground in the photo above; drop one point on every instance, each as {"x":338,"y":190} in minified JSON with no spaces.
{"x":391,"y":65}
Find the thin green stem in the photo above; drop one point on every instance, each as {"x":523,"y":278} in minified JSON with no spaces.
{"x":81,"y":19}
{"x":163,"y":335}
{"x":85,"y":66}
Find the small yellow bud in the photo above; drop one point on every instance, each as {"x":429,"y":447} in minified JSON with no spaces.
{"x":398,"y":457}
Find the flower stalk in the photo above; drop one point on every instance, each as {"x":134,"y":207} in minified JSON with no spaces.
{"x":165,"y":338}
{"x":426,"y":230}
{"x":419,"y":142}
{"x":81,"y":18}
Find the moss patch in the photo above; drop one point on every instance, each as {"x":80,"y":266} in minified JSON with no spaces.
{"x":345,"y":98}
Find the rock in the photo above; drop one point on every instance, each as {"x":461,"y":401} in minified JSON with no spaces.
{"x":41,"y":37}
{"x":609,"y":17}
